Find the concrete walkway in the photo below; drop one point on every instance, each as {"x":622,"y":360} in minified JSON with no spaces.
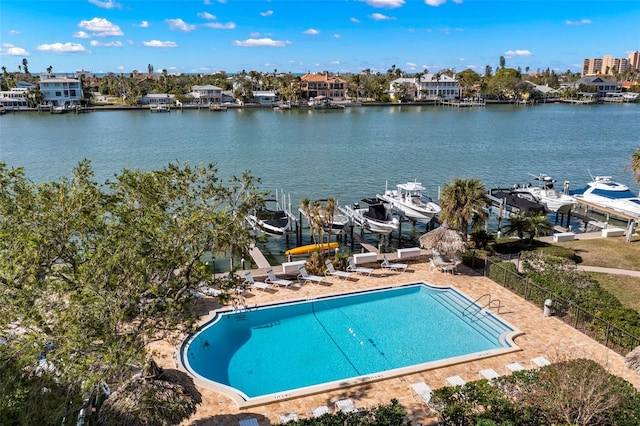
{"x":613,"y":271}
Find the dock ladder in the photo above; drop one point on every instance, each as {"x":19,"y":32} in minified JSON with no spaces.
{"x":491,"y":303}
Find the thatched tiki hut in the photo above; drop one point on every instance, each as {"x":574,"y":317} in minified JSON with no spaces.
{"x":444,"y":240}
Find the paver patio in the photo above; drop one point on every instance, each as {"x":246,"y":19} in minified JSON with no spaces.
{"x":543,"y":336}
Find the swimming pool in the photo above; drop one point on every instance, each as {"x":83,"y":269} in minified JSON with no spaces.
{"x":285,"y":350}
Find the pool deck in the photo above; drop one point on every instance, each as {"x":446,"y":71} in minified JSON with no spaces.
{"x":543,"y":336}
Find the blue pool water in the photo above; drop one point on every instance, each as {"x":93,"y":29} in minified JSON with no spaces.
{"x":279,"y":348}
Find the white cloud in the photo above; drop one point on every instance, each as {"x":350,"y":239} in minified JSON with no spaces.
{"x":267,"y":13}
{"x":11,"y":50}
{"x":311,"y":31}
{"x":381,"y":17}
{"x":179,"y":25}
{"x":100,"y":27}
{"x":334,"y":62}
{"x":14,"y":32}
{"x":109,"y":4}
{"x":336,"y":36}
{"x":261,"y":42}
{"x":355,"y":20}
{"x":96,"y":43}
{"x":435,"y":3}
{"x":458,"y":1}
{"x":158,"y":43}
{"x":389,"y":4}
{"x":411,"y":65}
{"x":143,"y":24}
{"x":254,"y":35}
{"x":580,"y":22}
{"x":81,"y":34}
{"x":120,"y":67}
{"x":207,"y":15}
{"x":518,"y":53}
{"x":220,"y":25}
{"x":62,"y":48}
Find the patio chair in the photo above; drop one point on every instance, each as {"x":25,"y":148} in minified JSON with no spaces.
{"x":288,"y":417}
{"x":346,"y":406}
{"x":304,"y":276}
{"x":540,"y":361}
{"x":333,"y":272}
{"x":248,"y":279}
{"x":203,"y":288}
{"x":455,"y":381}
{"x":273,"y":279}
{"x":358,"y":269}
{"x":513,"y":367}
{"x":401,"y":267}
{"x":320,"y":411}
{"x":489,"y":373}
{"x":421,"y":392}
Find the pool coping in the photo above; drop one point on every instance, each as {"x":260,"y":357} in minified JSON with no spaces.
{"x":244,"y":401}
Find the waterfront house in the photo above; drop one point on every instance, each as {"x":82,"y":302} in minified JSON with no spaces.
{"x":429,"y":87}
{"x":601,"y":85}
{"x":60,"y":90}
{"x":314,"y":85}
{"x":15,"y":98}
{"x":155,"y":99}
{"x":206,"y":94}
{"x":264,"y":97}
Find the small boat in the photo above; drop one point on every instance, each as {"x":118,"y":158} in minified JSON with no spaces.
{"x":160,"y":108}
{"x":338,"y":220}
{"x":217,"y":107}
{"x":410,"y":200}
{"x":516,"y":200}
{"x":375,"y":218}
{"x":322,"y":102}
{"x":273,"y":221}
{"x":310,"y":248}
{"x":604,"y":192}
{"x":546,"y":194}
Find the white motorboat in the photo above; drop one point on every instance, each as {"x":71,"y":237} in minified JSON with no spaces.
{"x":547,"y":195}
{"x":375,"y":218}
{"x":273,"y":221}
{"x":604,"y":192}
{"x":160,"y":108}
{"x":411,"y":201}
{"x":334,"y":224}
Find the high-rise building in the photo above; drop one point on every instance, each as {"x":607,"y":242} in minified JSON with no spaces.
{"x":609,"y":65}
{"x":634,"y":60}
{"x":591,"y":66}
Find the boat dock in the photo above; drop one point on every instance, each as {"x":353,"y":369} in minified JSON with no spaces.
{"x":609,"y":213}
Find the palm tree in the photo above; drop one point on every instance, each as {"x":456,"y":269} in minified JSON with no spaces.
{"x":461,"y":201}
{"x":634,"y":165}
{"x":534,"y":223}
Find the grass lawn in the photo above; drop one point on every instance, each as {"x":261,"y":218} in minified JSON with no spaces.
{"x":607,"y":252}
{"x":625,"y":288}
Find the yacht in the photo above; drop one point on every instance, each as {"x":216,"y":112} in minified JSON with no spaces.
{"x":375,"y":218}
{"x":604,"y":192}
{"x":409,"y":200}
{"x":272,"y":220}
{"x":547,"y":195}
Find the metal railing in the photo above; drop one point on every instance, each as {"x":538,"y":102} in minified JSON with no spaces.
{"x":586,"y":322}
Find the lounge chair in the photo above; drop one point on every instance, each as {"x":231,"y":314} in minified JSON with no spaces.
{"x":401,"y":267}
{"x":248,"y":422}
{"x":332,"y":271}
{"x":514,"y":366}
{"x":288,"y":417}
{"x":358,"y":269}
{"x":320,"y":411}
{"x":455,"y":381}
{"x":208,"y":291}
{"x":248,"y":279}
{"x":304,"y":276}
{"x":421,"y":392}
{"x":346,"y":406}
{"x":273,"y":279}
{"x":489,"y":374}
{"x":540,"y":361}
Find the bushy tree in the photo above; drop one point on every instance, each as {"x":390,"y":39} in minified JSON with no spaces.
{"x":91,"y":273}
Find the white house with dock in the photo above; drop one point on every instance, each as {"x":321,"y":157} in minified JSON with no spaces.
{"x":60,"y":90}
{"x":429,"y":87}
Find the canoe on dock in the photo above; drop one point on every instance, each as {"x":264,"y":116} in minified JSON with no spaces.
{"x":310,"y":248}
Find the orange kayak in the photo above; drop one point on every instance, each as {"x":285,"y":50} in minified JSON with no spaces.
{"x":310,"y":248}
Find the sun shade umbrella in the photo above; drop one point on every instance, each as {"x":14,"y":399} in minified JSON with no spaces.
{"x":443,"y":240}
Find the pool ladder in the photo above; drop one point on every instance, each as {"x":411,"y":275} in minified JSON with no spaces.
{"x":488,"y":305}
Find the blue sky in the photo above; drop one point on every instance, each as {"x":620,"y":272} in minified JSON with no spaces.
{"x":205,"y":36}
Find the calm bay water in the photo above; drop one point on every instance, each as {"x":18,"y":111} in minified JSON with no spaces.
{"x":347,"y":154}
